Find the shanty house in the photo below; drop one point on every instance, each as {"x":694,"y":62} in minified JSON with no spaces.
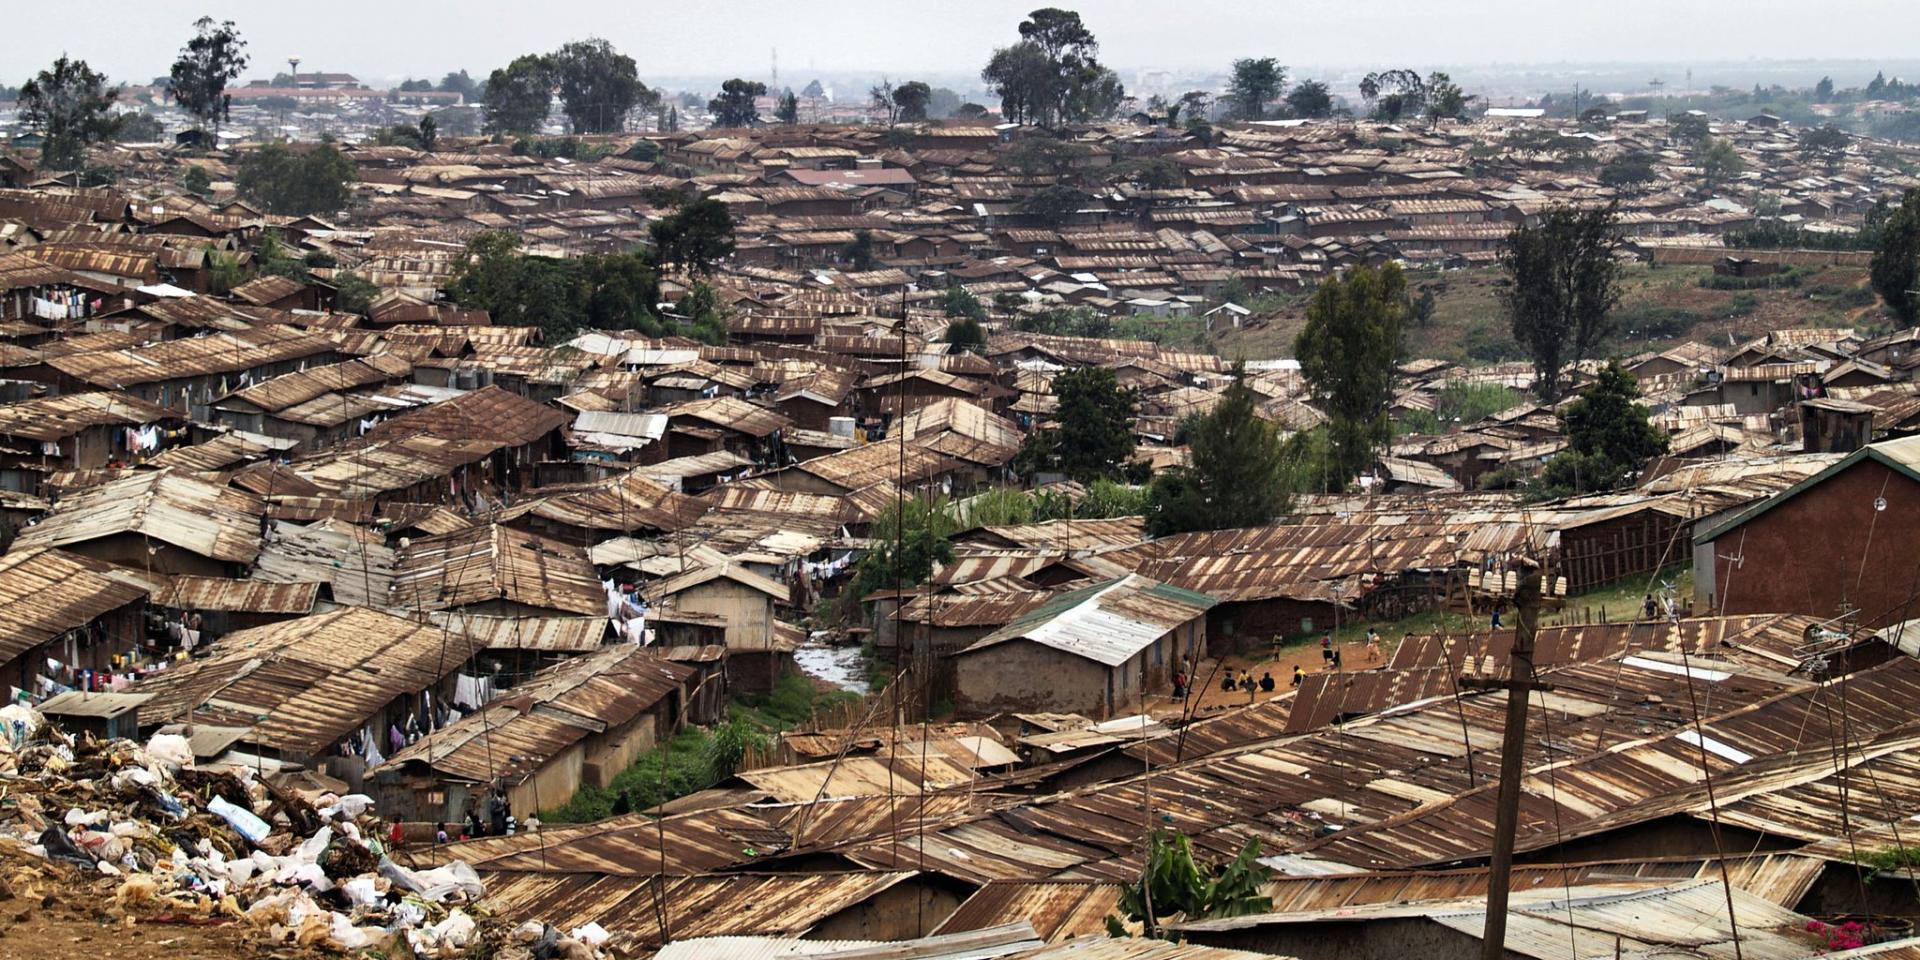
{"x":1807,"y":548}
{"x":63,"y":615}
{"x":79,"y":431}
{"x":526,"y":431}
{"x":160,"y":521}
{"x":340,"y":689}
{"x":578,"y":722}
{"x":494,"y":569}
{"x":1095,"y":650}
{"x":756,"y":648}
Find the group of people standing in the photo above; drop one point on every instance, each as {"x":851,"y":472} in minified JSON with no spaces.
{"x":1244,"y":679}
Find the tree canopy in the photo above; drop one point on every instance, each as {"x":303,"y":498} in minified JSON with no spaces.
{"x":696,"y":236}
{"x":1053,"y":74}
{"x":1627,"y":170}
{"x":212,"y":58}
{"x":1236,"y":472}
{"x":518,"y":96}
{"x":1896,"y":264}
{"x":734,"y":107}
{"x":910,"y":100}
{"x":1826,"y":145}
{"x":1095,"y":435}
{"x":1347,"y":350}
{"x":1718,"y":161}
{"x":458,"y":82}
{"x":1310,"y":99}
{"x":69,"y":103}
{"x":598,"y":85}
{"x":1053,"y":204}
{"x":1394,"y":94}
{"x":1609,"y":438}
{"x":616,"y":291}
{"x":1564,"y":284}
{"x":1254,"y":83}
{"x":1445,"y":99}
{"x":295,"y":181}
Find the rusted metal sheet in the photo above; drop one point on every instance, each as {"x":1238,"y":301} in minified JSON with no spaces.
{"x":1058,"y":910}
{"x":47,"y":593}
{"x":239,"y":596}
{"x":536,"y":720}
{"x":58,"y":417}
{"x":489,"y":563}
{"x":217,"y":522}
{"x":775,"y":905}
{"x":301,"y":685}
{"x":490,"y":413}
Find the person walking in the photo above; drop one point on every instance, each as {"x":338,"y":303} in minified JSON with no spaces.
{"x":1373,"y":646}
{"x":1326,"y":650}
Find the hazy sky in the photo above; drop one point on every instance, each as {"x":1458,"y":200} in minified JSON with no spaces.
{"x":136,"y":39}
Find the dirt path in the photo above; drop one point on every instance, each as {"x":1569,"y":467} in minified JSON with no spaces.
{"x":1212,"y":699}
{"x":72,"y":928}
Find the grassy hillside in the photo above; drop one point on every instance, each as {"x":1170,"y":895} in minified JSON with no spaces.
{"x":1660,"y":306}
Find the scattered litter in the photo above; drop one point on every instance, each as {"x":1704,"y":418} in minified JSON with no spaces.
{"x":142,"y":832}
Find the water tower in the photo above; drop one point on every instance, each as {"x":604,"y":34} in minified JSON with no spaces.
{"x":293,"y":69}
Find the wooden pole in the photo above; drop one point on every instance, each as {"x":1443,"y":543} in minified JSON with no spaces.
{"x":1519,"y":686}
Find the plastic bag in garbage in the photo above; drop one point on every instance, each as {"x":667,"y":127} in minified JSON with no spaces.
{"x":343,"y":935}
{"x":170,"y":752}
{"x":60,"y":847}
{"x":353,"y":805}
{"x":591,"y":934}
{"x":437,"y":884}
{"x":240,"y":819}
{"x":360,"y":891}
{"x":17,"y":724}
{"x":455,"y":932}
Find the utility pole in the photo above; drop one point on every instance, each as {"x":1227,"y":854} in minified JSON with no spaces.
{"x":1519,"y":686}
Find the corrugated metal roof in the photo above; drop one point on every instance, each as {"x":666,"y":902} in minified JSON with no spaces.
{"x":778,"y":905}
{"x":301,"y":685}
{"x":59,"y":417}
{"x":492,"y":562}
{"x":554,"y":709}
{"x":217,"y":522}
{"x":491,"y":413}
{"x":228,"y":351}
{"x":356,"y":564}
{"x":47,"y":593}
{"x":626,"y":503}
{"x":549,"y":634}
{"x":1107,"y":622}
{"x":244,"y":596}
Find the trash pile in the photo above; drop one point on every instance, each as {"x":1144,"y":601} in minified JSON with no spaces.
{"x":148,"y":834}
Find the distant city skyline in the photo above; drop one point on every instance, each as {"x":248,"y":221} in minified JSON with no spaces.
{"x":134,"y":42}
